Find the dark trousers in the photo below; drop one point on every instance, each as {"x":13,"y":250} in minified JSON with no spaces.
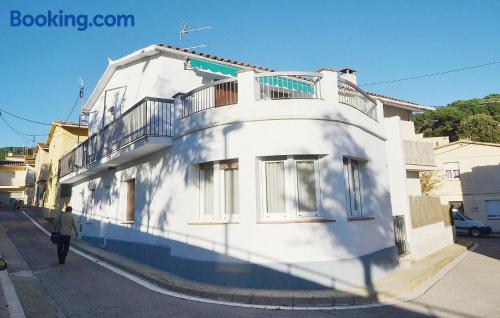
{"x":63,"y":248}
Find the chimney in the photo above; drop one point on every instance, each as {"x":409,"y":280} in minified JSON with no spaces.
{"x":349,"y":75}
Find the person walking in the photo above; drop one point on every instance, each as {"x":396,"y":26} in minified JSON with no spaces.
{"x":63,"y":225}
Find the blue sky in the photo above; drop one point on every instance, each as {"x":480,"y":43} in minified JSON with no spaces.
{"x":382,"y":40}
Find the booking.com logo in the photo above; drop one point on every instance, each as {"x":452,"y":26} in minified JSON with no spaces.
{"x":81,"y":21}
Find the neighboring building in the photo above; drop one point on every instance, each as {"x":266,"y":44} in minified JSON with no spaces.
{"x":30,"y":181}
{"x":12,"y":178}
{"x":63,"y":137}
{"x":407,"y":157}
{"x":435,"y":141}
{"x":41,"y":153}
{"x":230,"y":174}
{"x":471,"y":174}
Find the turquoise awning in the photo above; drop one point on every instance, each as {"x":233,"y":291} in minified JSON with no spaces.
{"x":288,"y":83}
{"x":213,"y":67}
{"x":276,"y":81}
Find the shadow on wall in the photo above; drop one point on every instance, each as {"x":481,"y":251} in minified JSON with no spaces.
{"x":481,"y":184}
{"x":375,"y":202}
{"x":229,"y":271}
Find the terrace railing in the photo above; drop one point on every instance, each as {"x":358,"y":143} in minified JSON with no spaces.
{"x":289,"y":85}
{"x":149,"y":117}
{"x":216,"y":94}
{"x":352,"y":95}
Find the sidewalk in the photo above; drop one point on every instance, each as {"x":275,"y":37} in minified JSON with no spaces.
{"x":394,"y":286}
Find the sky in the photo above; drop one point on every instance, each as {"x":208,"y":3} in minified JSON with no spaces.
{"x":382,"y":40}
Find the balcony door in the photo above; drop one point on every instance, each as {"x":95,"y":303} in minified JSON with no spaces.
{"x":225,"y":94}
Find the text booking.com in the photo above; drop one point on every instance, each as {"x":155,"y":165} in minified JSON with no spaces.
{"x":79,"y":21}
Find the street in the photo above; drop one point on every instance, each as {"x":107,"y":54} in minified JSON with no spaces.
{"x":81,"y":288}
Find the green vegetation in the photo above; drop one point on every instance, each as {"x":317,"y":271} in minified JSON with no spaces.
{"x":480,"y":127}
{"x":455,"y":120}
{"x":15,"y":150}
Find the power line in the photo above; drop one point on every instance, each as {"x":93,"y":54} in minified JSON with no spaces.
{"x":432,"y":74}
{"x":20,"y":133}
{"x":73,"y":108}
{"x":23,"y":118}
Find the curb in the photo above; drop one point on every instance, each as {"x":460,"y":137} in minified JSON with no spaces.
{"x":161,"y":282}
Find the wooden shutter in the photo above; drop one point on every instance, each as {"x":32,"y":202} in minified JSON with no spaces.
{"x":131,"y":200}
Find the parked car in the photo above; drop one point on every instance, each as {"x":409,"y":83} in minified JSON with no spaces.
{"x":464,"y":224}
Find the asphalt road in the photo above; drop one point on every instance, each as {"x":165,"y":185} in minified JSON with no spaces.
{"x":84,"y":289}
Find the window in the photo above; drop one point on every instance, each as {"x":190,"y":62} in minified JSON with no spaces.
{"x":458,"y":217}
{"x":207,"y":189}
{"x":231,"y":188}
{"x":219,"y":190}
{"x":452,"y":170}
{"x":290,"y":187}
{"x":130,"y":213}
{"x":353,"y":186}
{"x":66,"y":190}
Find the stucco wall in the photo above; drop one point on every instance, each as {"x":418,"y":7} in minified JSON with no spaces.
{"x":159,"y":76}
{"x":12,"y":176}
{"x":429,"y":239}
{"x":479,"y":175}
{"x":413,"y":183}
{"x":167,"y":195}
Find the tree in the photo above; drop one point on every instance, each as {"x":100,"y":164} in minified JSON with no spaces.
{"x":445,"y":121}
{"x":430,"y":181}
{"x":480,"y":127}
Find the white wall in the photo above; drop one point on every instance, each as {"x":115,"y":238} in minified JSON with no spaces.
{"x":429,"y":239}
{"x":159,"y":76}
{"x":167,"y":187}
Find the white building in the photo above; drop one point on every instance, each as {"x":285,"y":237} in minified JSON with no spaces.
{"x":224,"y":172}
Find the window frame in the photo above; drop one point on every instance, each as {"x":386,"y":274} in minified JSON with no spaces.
{"x":219,"y":209}
{"x":291,"y":188}
{"x":348,"y":186}
{"x":447,"y":167}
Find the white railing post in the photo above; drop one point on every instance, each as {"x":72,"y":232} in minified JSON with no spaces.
{"x":329,"y":85}
{"x":248,"y":88}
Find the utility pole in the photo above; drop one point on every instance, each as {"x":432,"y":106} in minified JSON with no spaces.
{"x":80,"y":112}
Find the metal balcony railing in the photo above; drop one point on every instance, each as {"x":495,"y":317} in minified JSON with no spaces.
{"x":352,"y":95}
{"x":149,"y":117}
{"x":289,"y":85}
{"x":216,"y":94}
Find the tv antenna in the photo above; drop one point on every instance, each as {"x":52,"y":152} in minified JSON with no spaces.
{"x":185,"y":30}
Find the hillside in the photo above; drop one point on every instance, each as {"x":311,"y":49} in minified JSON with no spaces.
{"x":445,"y":121}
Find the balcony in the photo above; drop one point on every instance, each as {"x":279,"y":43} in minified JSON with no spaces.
{"x":144,"y":128}
{"x":352,"y":95}
{"x":277,"y":86}
{"x":419,"y":155}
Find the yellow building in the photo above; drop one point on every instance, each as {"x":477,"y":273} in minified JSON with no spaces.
{"x":41,"y":153}
{"x":12,"y":177}
{"x":471,"y":179}
{"x":63,"y":137}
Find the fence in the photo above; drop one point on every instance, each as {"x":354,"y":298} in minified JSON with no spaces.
{"x":289,"y":85}
{"x":427,"y":210}
{"x":400,"y":234}
{"x":216,"y":94}
{"x":354,"y":96}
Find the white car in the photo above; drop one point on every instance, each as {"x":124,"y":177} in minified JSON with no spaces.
{"x":465,"y":225}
